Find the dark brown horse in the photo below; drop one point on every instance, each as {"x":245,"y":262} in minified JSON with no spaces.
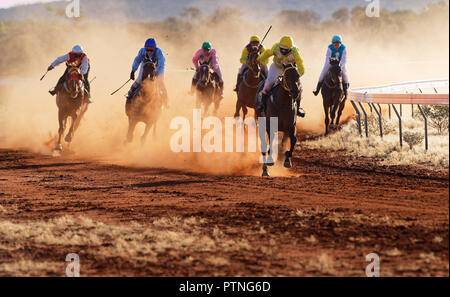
{"x":249,"y":85}
{"x":146,"y":105}
{"x":282,"y":108}
{"x":72,"y":102}
{"x":207,"y":89}
{"x":333,"y":96}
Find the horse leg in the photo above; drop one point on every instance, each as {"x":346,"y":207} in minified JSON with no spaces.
{"x":147,"y":129}
{"x":131,"y":125}
{"x":333,"y":113}
{"x":287,"y":161}
{"x":238,"y":108}
{"x":327,"y":119}
{"x":69,"y":135}
{"x":62,"y":127}
{"x":341,"y":108}
{"x":245,"y":110}
{"x":263,"y":144}
{"x":270,"y":161}
{"x":82,"y":112}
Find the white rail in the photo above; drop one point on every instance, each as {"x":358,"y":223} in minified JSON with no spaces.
{"x":389,"y":94}
{"x":395,"y":94}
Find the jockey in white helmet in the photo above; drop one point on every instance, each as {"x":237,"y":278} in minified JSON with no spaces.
{"x":76,"y":58}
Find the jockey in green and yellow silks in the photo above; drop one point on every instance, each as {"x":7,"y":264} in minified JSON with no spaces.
{"x":253,"y":45}
{"x":284,"y":53}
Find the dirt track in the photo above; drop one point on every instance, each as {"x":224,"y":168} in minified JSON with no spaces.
{"x":323,"y":220}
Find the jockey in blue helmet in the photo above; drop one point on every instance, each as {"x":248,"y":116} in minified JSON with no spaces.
{"x":335,"y":50}
{"x":150,"y":51}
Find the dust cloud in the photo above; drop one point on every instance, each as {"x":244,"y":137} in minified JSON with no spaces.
{"x":28,"y":114}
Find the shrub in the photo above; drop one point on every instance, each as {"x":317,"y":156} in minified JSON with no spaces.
{"x":412,"y":138}
{"x":437,"y":117}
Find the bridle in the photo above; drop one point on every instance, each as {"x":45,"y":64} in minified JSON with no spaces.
{"x":330,"y":77}
{"x":255,"y":75}
{"x":283,"y":79}
{"x":73,"y":75}
{"x":205,"y":76}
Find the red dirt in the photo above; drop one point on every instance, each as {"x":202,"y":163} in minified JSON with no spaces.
{"x":350,"y":208}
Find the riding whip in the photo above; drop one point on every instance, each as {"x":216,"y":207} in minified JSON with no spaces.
{"x":120,"y":87}
{"x":270,"y":28}
{"x":93,"y":79}
{"x":44,"y":75}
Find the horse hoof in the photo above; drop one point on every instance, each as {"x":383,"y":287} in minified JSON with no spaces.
{"x":288,"y":163}
{"x":265,"y":173}
{"x":269,"y":161}
{"x":57,"y":151}
{"x":68,"y":139}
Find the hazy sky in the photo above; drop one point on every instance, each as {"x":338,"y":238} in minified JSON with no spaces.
{"x":9,"y":3}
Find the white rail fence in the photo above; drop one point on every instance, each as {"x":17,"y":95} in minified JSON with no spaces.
{"x":399,"y":93}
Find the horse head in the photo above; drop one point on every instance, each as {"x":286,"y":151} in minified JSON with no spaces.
{"x":252,"y":61}
{"x":205,"y":74}
{"x":335,"y":71}
{"x":149,"y":70}
{"x":74,"y":82}
{"x":291,"y":80}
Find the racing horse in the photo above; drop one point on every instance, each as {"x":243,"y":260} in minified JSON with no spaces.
{"x":72,"y":102}
{"x":282,"y":107}
{"x":333,"y":96}
{"x":207,"y":89}
{"x":249,"y":85}
{"x":146,"y":103}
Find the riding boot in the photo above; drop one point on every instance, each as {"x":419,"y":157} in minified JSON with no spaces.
{"x":319,"y":86}
{"x":345,"y":87}
{"x":193,"y":85}
{"x":300,"y":113}
{"x":131,"y":92}
{"x":261,"y":103}
{"x":239,"y":81}
{"x":57,"y":88}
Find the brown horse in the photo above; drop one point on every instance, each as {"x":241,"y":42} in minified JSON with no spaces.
{"x":146,"y":105}
{"x":207,"y":89}
{"x":332,"y":94}
{"x":72,"y":102}
{"x":249,"y":85}
{"x":283,"y":108}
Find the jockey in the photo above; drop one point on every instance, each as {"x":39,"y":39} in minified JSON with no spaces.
{"x":150,"y":51}
{"x":335,"y":50}
{"x":254,"y":42}
{"x":77,"y":58}
{"x":284,"y":52}
{"x":206,"y":54}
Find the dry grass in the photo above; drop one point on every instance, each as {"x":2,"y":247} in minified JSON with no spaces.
{"x":339,"y":217}
{"x":135,"y":242}
{"x":388,"y":148}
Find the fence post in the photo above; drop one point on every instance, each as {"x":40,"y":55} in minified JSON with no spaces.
{"x":365,"y":118}
{"x":380,"y":120}
{"x":426,"y":125}
{"x":399,"y":124}
{"x":358,"y":117}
